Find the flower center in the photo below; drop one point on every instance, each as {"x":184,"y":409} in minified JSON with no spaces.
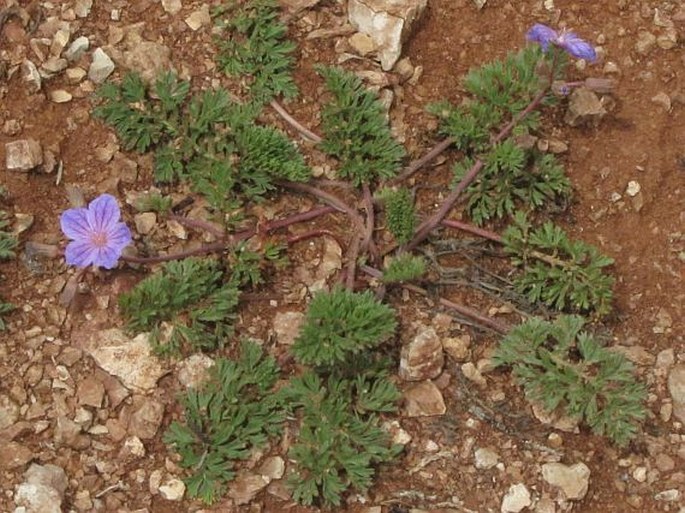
{"x":99,"y":239}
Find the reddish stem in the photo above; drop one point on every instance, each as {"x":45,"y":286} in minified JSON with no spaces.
{"x":202,"y":250}
{"x":417,"y":164}
{"x":465,"y":311}
{"x":294,"y":123}
{"x":198,"y":224}
{"x":459,"y":225}
{"x":429,"y":224}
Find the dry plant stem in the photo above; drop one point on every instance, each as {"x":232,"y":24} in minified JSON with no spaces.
{"x":367,"y":242}
{"x":304,"y":131}
{"x":326,"y":197}
{"x":351,"y":267}
{"x":293,"y":239}
{"x":299,"y":218}
{"x":487,"y":234}
{"x":198,"y":224}
{"x":429,"y":224}
{"x":414,"y":166}
{"x":202,"y":250}
{"x":461,"y":310}
{"x":459,"y":225}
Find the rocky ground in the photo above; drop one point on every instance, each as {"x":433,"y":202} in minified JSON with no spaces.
{"x":83,"y":406}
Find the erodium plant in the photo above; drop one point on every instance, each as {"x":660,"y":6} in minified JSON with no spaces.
{"x":214,"y":144}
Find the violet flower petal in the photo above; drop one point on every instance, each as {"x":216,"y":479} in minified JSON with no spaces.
{"x":80,"y":253}
{"x":118,"y":236}
{"x":103,"y":211}
{"x":74,"y":224}
{"x":107,"y":257}
{"x":542,"y":34}
{"x":577,"y":47}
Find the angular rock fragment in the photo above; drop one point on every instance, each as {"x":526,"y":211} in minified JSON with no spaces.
{"x":23,"y":155}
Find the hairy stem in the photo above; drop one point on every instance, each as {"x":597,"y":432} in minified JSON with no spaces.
{"x":417,"y":164}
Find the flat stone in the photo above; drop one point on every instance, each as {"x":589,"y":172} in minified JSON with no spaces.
{"x":91,"y":392}
{"x":423,"y":400}
{"x":199,"y":18}
{"x":273,"y":467}
{"x":422,"y":358}
{"x":59,"y":41}
{"x":9,"y":411}
{"x":645,"y":42}
{"x":77,"y":48}
{"x":60,"y":96}
{"x":572,"y":480}
{"x":75,"y":75}
{"x":287,"y":326}
{"x":361,"y":43}
{"x":43,"y":489}
{"x":101,"y":67}
{"x":389,"y":24}
{"x":146,"y":419}
{"x":145,"y":222}
{"x":485,"y":458}
{"x":23,"y":155}
{"x":516,"y":499}
{"x":457,"y":347}
{"x":172,"y":6}
{"x":173,"y":490}
{"x":147,"y":58}
{"x":245,"y":487}
{"x":676,"y":387}
{"x":133,"y":448}
{"x":194,"y":370}
{"x":31,"y":76}
{"x":82,"y":8}
{"x":131,"y":360}
{"x":584,"y":108}
{"x":15,"y":456}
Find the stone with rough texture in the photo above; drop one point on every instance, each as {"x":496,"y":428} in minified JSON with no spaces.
{"x":173,"y":490}
{"x":516,"y":499}
{"x":676,"y":387}
{"x":423,"y":400}
{"x":388,"y":23}
{"x":146,"y":419}
{"x":199,"y":18}
{"x":147,"y":58}
{"x":23,"y":155}
{"x":131,"y":360}
{"x":15,"y":455}
{"x":572,"y":480}
{"x":9,"y":412}
{"x":584,"y":108}
{"x":287,"y":326}
{"x":91,"y":392}
{"x":77,"y":48}
{"x":485,"y":458}
{"x":43,"y":489}
{"x":101,"y":67}
{"x":244,"y":488}
{"x":194,"y":370}
{"x":273,"y":467}
{"x":422,"y":358}
{"x":31,"y":76}
{"x":172,"y":6}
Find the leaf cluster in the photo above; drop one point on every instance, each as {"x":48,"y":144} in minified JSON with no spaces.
{"x":499,"y":91}
{"x":339,"y":440}
{"x":400,"y":214}
{"x":8,"y":243}
{"x":404,"y":267}
{"x":253,"y":44}
{"x":195,"y":296}
{"x":206,"y":139}
{"x":340,"y":324}
{"x":356,"y":131}
{"x":556,"y":270}
{"x":562,"y":367}
{"x":232,"y":414}
{"x":512,"y":177}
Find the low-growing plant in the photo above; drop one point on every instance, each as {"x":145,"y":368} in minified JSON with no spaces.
{"x":252,"y":45}
{"x":563,"y":367}
{"x":207,"y":140}
{"x":194,"y":296}
{"x":8,"y":243}
{"x":558,"y":271}
{"x":339,"y":441}
{"x":356,"y":131}
{"x":234,"y":413}
{"x":340,"y":324}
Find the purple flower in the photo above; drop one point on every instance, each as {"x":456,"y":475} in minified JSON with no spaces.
{"x":98,"y":236}
{"x":566,"y":40}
